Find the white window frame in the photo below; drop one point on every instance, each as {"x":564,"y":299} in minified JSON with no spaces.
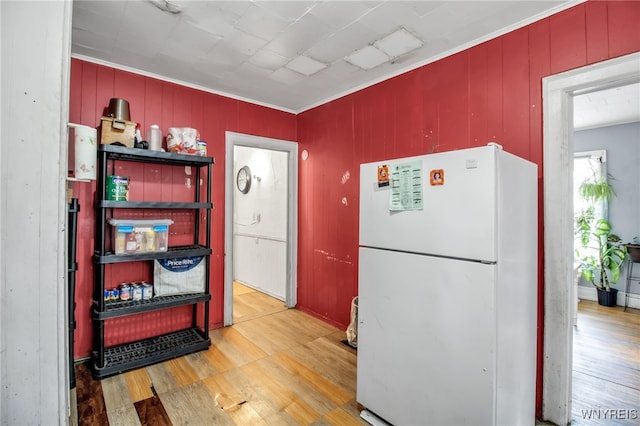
{"x":598,"y":160}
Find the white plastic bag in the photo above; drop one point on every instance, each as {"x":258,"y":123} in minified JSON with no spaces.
{"x":352,"y":329}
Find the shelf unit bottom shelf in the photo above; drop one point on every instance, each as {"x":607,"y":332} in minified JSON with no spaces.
{"x":129,"y":356}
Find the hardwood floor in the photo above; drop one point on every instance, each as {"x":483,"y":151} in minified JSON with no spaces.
{"x":606,"y":366}
{"x":278,"y":366}
{"x":250,"y":304}
{"x":274,"y":366}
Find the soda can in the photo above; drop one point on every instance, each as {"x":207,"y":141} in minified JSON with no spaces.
{"x":107,"y":295}
{"x":125,"y":292}
{"x":114,"y":294}
{"x":136,"y":292}
{"x":147,"y":291}
{"x":201,"y":148}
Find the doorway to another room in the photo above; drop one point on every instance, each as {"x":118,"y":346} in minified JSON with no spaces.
{"x":560,"y":276}
{"x":261,"y":229}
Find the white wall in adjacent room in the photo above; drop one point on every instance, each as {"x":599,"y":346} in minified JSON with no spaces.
{"x":260,"y":221}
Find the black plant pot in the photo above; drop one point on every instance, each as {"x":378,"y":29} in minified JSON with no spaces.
{"x":634,"y":252}
{"x":607,"y":298}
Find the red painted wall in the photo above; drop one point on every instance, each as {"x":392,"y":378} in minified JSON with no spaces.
{"x":156,"y":102}
{"x":491,"y":92}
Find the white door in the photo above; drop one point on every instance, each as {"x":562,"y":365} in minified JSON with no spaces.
{"x":458,"y":217}
{"x":426,"y":339}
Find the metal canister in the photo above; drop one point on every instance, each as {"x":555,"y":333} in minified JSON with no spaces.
{"x":147,"y":291}
{"x":114,"y":294}
{"x":125,"y":291}
{"x":136,"y":292}
{"x":117,"y":188}
{"x":201,"y":148}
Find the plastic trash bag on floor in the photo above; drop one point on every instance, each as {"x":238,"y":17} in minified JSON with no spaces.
{"x":352,"y":329}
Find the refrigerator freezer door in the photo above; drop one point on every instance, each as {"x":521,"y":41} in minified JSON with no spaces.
{"x":459,"y":213}
{"x":426,"y":339}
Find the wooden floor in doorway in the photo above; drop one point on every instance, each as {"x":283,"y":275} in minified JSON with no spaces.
{"x":249,"y":304}
{"x":606,"y":366}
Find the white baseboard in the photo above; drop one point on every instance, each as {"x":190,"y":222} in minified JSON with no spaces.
{"x":590,"y":293}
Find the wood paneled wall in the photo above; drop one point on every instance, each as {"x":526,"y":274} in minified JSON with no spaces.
{"x":153,"y":101}
{"x":490,"y":92}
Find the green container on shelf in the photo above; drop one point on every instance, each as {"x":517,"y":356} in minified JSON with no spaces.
{"x":118,"y":188}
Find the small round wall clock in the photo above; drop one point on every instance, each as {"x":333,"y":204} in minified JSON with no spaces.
{"x":243,"y":179}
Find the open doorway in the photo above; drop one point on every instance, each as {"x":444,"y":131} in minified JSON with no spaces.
{"x":261,"y":220}
{"x":560,"y":291}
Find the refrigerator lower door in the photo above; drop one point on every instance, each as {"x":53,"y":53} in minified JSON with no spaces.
{"x":426,"y":339}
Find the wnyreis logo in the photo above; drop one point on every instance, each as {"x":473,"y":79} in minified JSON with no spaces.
{"x":610,"y":414}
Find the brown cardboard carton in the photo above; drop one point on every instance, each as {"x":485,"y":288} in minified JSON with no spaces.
{"x":114,"y":130}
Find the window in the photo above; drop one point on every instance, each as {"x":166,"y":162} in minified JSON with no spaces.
{"x":588,"y":166}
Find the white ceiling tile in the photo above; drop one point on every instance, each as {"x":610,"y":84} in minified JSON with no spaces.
{"x":398,"y":43}
{"x":299,"y":37}
{"x":305,"y":65}
{"x":193,"y":40}
{"x":390,"y":16}
{"x":368,"y":57}
{"x":288,"y":10}
{"x":250,"y":70}
{"x":233,"y":6}
{"x":617,"y":105}
{"x":224,"y":55}
{"x":267,"y":59}
{"x":260,"y":24}
{"x":434,"y":24}
{"x":210,"y":18}
{"x":113,"y":9}
{"x":94,"y":42}
{"x":343,"y":42}
{"x":245,"y":43}
{"x":286,"y":76}
{"x":348,"y":12}
{"x":95,"y":23}
{"x":421,"y":8}
{"x":469,"y":11}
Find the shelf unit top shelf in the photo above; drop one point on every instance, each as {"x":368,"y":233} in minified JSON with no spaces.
{"x":115,"y":152}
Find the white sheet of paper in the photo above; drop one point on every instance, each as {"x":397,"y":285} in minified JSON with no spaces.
{"x":406,"y":186}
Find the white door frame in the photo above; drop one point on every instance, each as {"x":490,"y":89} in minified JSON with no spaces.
{"x":238,"y":139}
{"x":559,"y":291}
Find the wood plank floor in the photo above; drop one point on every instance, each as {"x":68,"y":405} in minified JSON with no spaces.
{"x":606,"y":366}
{"x":274,"y":366}
{"x":279,"y":366}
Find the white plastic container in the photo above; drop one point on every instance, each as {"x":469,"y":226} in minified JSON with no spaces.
{"x":85,"y":148}
{"x":155,"y":138}
{"x":140,"y":236}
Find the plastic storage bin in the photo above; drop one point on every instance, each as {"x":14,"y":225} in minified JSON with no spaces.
{"x":140,"y":236}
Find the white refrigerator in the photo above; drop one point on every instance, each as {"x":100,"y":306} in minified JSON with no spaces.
{"x":447,"y":296}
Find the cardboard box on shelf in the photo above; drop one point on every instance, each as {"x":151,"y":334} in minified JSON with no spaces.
{"x":113,"y":130}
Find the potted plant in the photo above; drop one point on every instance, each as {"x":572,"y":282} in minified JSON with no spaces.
{"x":603,"y":269}
{"x":602,"y":263}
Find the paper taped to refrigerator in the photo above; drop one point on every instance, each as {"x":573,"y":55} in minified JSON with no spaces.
{"x":406,"y":186}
